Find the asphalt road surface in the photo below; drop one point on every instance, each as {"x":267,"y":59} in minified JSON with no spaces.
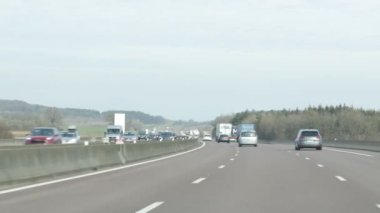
{"x":220,"y":178}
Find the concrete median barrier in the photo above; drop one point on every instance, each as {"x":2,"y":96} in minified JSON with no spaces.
{"x":31,"y":163}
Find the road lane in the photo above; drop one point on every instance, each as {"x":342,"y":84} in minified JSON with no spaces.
{"x":267,"y":178}
{"x":360,"y":167}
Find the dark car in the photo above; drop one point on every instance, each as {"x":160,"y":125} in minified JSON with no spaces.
{"x":167,"y":136}
{"x":44,"y":135}
{"x":142,"y":136}
{"x":224,"y":138}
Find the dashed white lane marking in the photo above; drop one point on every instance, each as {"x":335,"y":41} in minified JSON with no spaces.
{"x":221,"y":166}
{"x":150,"y":207}
{"x":99,"y":172}
{"x":199,"y":180}
{"x":232,"y":159}
{"x":289,"y":151}
{"x":320,"y":165}
{"x":236,"y":155}
{"x":354,"y":153}
{"x":341,"y":178}
{"x":297,"y":154}
{"x":378,"y":206}
{"x":307,"y":158}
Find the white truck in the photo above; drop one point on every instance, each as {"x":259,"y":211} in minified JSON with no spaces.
{"x":223,"y":129}
{"x":114,"y":133}
{"x":119,"y":120}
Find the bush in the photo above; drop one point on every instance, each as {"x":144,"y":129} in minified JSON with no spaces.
{"x":5,"y":132}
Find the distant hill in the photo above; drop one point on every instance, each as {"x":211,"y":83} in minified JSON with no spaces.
{"x":135,"y":115}
{"x":20,"y":115}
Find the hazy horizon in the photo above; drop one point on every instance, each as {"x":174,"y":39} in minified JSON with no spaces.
{"x":190,"y":59}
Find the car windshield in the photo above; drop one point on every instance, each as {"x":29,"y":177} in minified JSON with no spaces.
{"x":113,"y":131}
{"x":68,"y":135}
{"x":309,"y":134}
{"x":42,"y":132}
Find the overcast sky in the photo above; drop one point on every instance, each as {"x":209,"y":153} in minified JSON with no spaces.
{"x":192,"y":59}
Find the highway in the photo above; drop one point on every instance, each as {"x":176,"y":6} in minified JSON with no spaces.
{"x":220,"y":178}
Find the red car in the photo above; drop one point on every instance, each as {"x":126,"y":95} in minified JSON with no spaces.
{"x":44,"y":135}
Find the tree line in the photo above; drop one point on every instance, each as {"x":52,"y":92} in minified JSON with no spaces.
{"x":334,"y":122}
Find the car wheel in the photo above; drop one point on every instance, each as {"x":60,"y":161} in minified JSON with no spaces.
{"x":319,"y":148}
{"x":297,"y":148}
{"x":255,"y":145}
{"x":240,"y":145}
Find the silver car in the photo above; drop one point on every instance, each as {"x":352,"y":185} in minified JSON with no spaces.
{"x":308,"y":138}
{"x":130,"y":137}
{"x":247,"y":138}
{"x":70,"y":138}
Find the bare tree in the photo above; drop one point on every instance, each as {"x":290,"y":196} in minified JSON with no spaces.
{"x":53,"y":116}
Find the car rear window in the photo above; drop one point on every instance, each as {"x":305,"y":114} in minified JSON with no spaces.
{"x":310,"y":134}
{"x":247,"y":134}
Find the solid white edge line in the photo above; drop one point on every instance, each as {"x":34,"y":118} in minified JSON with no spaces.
{"x":221,"y":166}
{"x":150,"y":207}
{"x":320,"y":165}
{"x":348,"y":152}
{"x":341,"y":178}
{"x":99,"y":172}
{"x":199,"y":180}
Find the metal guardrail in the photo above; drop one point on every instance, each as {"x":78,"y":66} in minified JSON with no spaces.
{"x":359,"y":145}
